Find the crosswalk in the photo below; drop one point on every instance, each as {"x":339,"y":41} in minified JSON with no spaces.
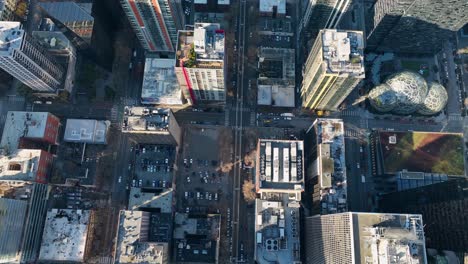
{"x":349,"y":113}
{"x":253,"y":118}
{"x":351,"y":133}
{"x":455,"y":117}
{"x":226,"y":117}
{"x":16,"y":99}
{"x":115,"y":114}
{"x":129,"y":101}
{"x":105,"y":260}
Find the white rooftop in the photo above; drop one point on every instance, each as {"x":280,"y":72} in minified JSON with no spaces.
{"x":131,"y":244}
{"x":160,"y":84}
{"x":65,"y":234}
{"x":139,"y":199}
{"x":11,"y":37}
{"x":21,"y":164}
{"x":266,"y":6}
{"x":86,"y":131}
{"x":224,"y":2}
{"x":343,"y":51}
{"x":276,"y":95}
{"x":22,"y":124}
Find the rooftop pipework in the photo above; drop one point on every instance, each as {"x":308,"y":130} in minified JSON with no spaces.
{"x":11,"y":37}
{"x":343,"y":51}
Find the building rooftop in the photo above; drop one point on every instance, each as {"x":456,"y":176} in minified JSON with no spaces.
{"x":132,"y":241}
{"x":409,"y":180}
{"x":268,"y":6}
{"x":202,"y":47}
{"x":11,"y":37}
{"x":65,"y":235}
{"x":54,"y":41}
{"x":150,"y":198}
{"x":277,"y":230}
{"x":343,"y":52}
{"x":86,"y":131}
{"x":21,"y":164}
{"x":160,"y":84}
{"x":22,"y":124}
{"x":387,"y":238}
{"x":331,"y":165}
{"x":277,"y":63}
{"x":16,"y":189}
{"x":276,"y":95}
{"x":197,"y":239}
{"x":13,"y":214}
{"x":280,"y":166}
{"x":146,"y":119}
{"x":160,"y":229}
{"x":429,"y":152}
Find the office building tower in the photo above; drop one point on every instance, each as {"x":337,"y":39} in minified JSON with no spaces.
{"x":200,"y":63}
{"x":27,"y":61}
{"x":11,"y":10}
{"x":443,"y":206}
{"x":322,"y":14}
{"x":155,"y":22}
{"x":413,"y":26}
{"x":34,"y":196}
{"x":73,"y":19}
{"x":349,"y":238}
{"x":335,"y":66}
{"x":12,"y":217}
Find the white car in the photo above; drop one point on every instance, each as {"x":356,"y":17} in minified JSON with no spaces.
{"x":188,"y":179}
{"x":120,"y":179}
{"x":187,"y":210}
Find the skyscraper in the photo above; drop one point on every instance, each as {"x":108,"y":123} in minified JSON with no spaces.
{"x":443,"y":206}
{"x":335,"y":66}
{"x":200,"y":63}
{"x":325,"y":14}
{"x":413,"y":26}
{"x":349,"y":238}
{"x":27,"y":61}
{"x":12,"y":218}
{"x":155,"y":22}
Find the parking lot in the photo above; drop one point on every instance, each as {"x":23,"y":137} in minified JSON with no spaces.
{"x":153,"y":166}
{"x":203,"y":182}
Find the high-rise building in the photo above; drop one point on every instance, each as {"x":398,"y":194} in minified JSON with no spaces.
{"x":10,"y":10}
{"x":349,"y":238}
{"x":200,"y":63}
{"x":325,"y":14}
{"x":23,"y":58}
{"x":155,"y":22}
{"x":443,"y":206}
{"x":334,"y":67}
{"x":413,"y":26}
{"x":12,"y":217}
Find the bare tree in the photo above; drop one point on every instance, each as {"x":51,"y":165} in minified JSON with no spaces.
{"x":248,"y":190}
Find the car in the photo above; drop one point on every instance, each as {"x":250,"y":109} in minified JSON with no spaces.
{"x":140,"y":183}
{"x":191,"y":161}
{"x":358,"y":165}
{"x":143,"y":150}
{"x":37,"y":102}
{"x":198,"y":196}
{"x":206,"y":195}
{"x":216,"y":196}
{"x":120,"y":179}
{"x":360,"y":149}
{"x":186,"y":195}
{"x":188,"y":179}
{"x":187,"y":210}
{"x":154,"y":183}
{"x":185,"y":161}
{"x":133,"y":183}
{"x":130,"y":166}
{"x":48,"y":102}
{"x":210,"y":197}
{"x":205,"y":179}
{"x":164,"y":184}
{"x":166,"y":160}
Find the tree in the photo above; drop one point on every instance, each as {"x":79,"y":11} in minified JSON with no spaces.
{"x":248,"y":190}
{"x":25,"y":91}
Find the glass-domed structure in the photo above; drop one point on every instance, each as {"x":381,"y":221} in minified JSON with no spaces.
{"x":435,"y":101}
{"x":410,"y":89}
{"x":382,"y":98}
{"x":407,"y":92}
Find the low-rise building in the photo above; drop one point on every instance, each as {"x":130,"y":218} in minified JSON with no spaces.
{"x":277,"y":230}
{"x":86,"y":131}
{"x":160,"y":83}
{"x":200,"y":64}
{"x":141,"y":198}
{"x":280,"y":167}
{"x":26,"y":165}
{"x":151,"y":125}
{"x":197,"y":239}
{"x":133,"y":245}
{"x":327,"y":168}
{"x":365,"y":238}
{"x":29,"y":129}
{"x":276,"y":81}
{"x":65,"y":236}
